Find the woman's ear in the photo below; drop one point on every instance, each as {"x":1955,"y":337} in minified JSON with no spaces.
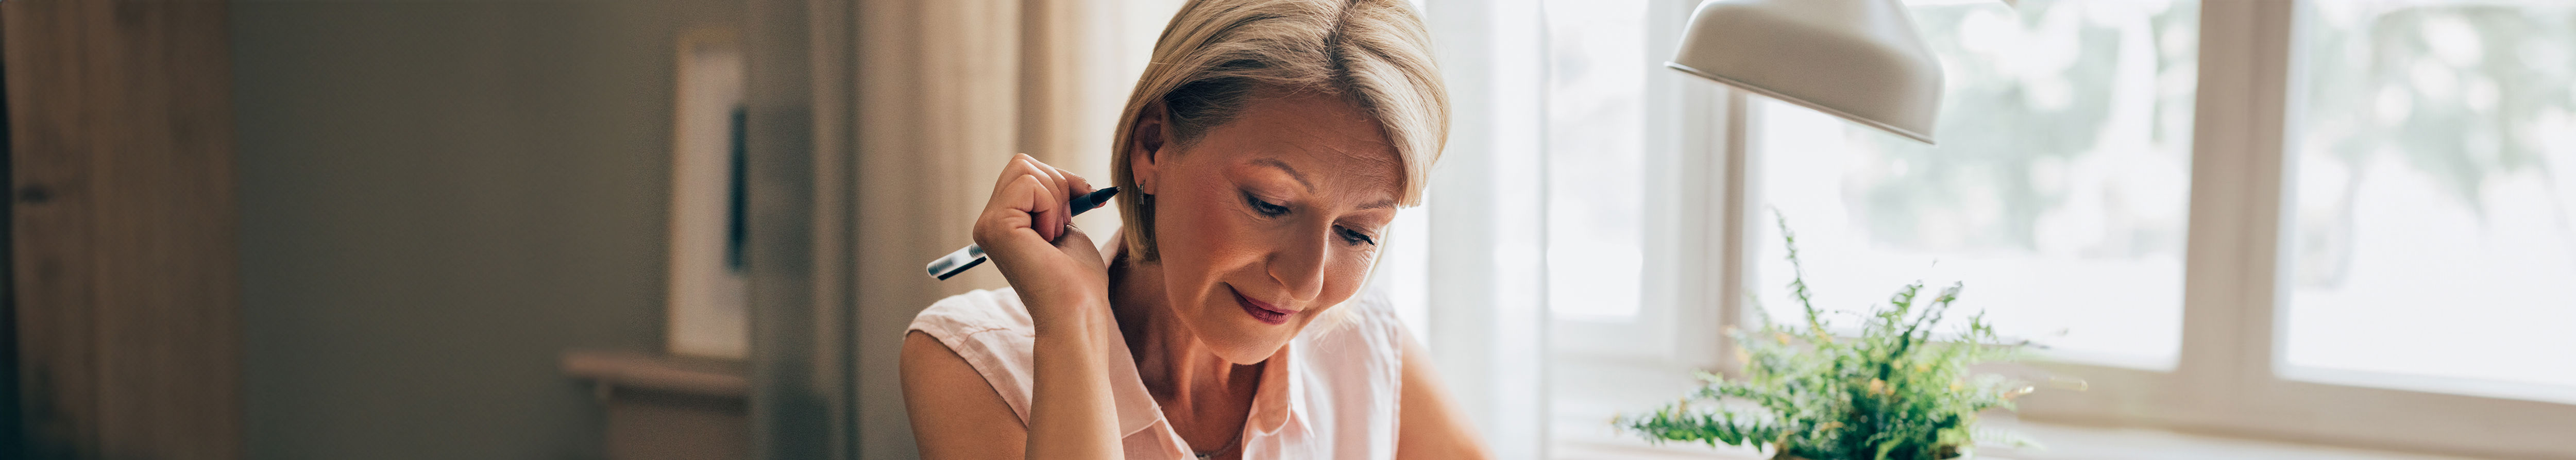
{"x":1152,"y":133}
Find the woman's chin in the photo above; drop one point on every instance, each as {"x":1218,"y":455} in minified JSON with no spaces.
{"x":1248,"y":342}
{"x":1240,"y":337}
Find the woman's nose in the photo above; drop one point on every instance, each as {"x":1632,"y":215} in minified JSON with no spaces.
{"x":1299,"y":266}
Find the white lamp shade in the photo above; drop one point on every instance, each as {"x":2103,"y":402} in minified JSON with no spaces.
{"x":1856,"y":59}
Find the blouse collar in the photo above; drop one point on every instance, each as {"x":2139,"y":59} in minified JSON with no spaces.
{"x":1274,"y":403}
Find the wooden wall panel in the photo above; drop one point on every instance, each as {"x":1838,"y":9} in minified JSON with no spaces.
{"x":122,"y":228}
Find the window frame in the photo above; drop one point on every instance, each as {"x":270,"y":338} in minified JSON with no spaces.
{"x":2231,"y":358}
{"x":2229,"y":375}
{"x":1488,"y":323}
{"x":1685,"y":224}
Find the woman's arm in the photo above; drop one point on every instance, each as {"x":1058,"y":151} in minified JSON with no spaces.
{"x":955,"y":414}
{"x":1071,"y":413}
{"x":1428,"y":424}
{"x":1028,"y":231}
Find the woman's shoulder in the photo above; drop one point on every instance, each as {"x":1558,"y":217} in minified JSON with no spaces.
{"x":990,"y":330}
{"x":1369,"y":314}
{"x":974,"y":312}
{"x":1363,"y":333}
{"x":1353,"y":371}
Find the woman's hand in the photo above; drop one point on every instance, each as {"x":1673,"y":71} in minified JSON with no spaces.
{"x":1027,"y":230}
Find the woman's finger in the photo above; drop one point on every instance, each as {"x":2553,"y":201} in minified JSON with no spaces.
{"x":1057,"y":185}
{"x":1021,"y":164}
{"x":1018,"y":167}
{"x":1049,"y":224}
{"x":1003,"y":212}
{"x":1010,"y":172}
{"x":1051,"y":174}
{"x":1017,"y":207}
{"x":1076,"y":185}
{"x":1072,"y":184}
{"x":1031,"y":165}
{"x":1046,"y":210}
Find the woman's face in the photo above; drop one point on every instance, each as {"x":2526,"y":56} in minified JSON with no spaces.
{"x":1265,"y":222}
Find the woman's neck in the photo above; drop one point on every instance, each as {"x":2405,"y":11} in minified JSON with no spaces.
{"x":1206,"y":398}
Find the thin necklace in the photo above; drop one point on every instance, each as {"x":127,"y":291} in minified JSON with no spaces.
{"x":1229,"y":444}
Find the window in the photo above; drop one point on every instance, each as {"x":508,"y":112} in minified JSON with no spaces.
{"x":2337,"y":220}
{"x":2432,"y":234}
{"x":1621,"y":335}
{"x":1404,"y":269}
{"x":1596,"y":132}
{"x":2057,"y":193}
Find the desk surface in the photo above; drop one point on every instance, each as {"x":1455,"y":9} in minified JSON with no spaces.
{"x":2063,"y":442}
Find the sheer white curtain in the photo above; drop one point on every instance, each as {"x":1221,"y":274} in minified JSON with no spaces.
{"x":1483,"y":306}
{"x":1573,"y":255}
{"x":877,"y":128}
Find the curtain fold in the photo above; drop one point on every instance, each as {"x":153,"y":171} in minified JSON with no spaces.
{"x":935,"y":96}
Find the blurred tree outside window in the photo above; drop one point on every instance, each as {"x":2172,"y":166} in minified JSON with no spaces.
{"x":2431,"y":233}
{"x":2058,"y":192}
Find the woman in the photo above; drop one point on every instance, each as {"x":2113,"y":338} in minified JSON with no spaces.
{"x":1259,"y":161}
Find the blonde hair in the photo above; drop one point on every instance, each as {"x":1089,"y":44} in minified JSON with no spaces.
{"x":1216,"y":53}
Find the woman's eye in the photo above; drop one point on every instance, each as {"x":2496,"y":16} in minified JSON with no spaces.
{"x":1354,"y":237}
{"x":1263,"y":207}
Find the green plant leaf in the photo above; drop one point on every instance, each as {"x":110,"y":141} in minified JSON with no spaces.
{"x":1900,"y":390}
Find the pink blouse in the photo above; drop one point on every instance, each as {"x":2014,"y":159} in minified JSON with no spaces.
{"x":1331,"y":393}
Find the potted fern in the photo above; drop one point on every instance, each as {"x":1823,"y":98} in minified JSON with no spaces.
{"x":1900,"y":390}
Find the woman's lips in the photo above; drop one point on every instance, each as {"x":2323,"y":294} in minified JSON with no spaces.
{"x":1262,"y":311}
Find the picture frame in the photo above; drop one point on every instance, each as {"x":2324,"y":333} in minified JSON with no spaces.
{"x":709,"y":291}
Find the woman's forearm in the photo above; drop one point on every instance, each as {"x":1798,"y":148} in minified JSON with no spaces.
{"x":1071,"y":413}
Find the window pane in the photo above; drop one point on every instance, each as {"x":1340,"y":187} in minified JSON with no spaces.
{"x":1404,"y":270}
{"x":1596,"y":86}
{"x":2434,"y":181}
{"x":2058,"y":192}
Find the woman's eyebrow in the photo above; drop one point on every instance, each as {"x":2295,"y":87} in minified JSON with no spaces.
{"x":1283,"y":167}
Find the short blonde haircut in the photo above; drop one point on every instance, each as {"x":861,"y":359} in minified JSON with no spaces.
{"x":1216,"y":53}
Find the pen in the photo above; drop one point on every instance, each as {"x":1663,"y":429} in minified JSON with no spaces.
{"x":973,"y":255}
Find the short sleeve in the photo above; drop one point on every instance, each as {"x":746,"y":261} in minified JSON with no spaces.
{"x":992,"y":334}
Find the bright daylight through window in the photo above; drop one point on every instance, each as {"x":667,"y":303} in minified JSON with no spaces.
{"x":2058,"y":192}
{"x":2427,"y":222}
{"x":1596,"y":135}
{"x":2433,"y":177}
